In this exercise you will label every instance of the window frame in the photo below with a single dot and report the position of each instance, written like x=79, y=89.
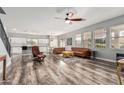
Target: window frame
x=63, y=42
x=76, y=44
x=110, y=46
x=87, y=39
x=94, y=39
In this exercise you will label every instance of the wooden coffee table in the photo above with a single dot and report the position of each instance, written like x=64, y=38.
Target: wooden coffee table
x=68, y=53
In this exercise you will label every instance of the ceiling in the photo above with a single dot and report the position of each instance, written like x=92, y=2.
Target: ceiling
x=41, y=21
x=118, y=27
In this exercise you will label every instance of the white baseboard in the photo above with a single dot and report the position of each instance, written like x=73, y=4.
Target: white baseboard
x=106, y=59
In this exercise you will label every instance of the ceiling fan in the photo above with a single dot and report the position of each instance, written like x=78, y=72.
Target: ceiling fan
x=69, y=19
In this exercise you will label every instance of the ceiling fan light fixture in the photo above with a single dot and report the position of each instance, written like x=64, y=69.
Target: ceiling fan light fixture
x=70, y=14
x=68, y=21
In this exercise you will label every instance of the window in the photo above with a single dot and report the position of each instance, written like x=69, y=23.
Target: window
x=16, y=50
x=54, y=42
x=32, y=41
x=100, y=38
x=117, y=36
x=18, y=41
x=87, y=40
x=44, y=49
x=43, y=41
x=62, y=42
x=78, y=40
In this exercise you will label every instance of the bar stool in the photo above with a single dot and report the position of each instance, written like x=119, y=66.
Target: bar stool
x=120, y=65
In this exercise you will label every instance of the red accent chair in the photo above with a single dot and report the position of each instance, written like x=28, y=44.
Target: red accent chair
x=38, y=56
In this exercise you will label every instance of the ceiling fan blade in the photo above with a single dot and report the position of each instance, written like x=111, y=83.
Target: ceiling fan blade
x=59, y=18
x=77, y=19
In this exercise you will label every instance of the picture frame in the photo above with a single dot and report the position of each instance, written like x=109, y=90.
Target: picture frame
x=69, y=41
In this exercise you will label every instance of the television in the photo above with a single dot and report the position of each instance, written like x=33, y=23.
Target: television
x=24, y=47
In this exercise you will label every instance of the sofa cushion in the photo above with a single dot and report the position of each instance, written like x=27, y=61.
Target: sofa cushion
x=80, y=49
x=68, y=48
x=58, y=50
x=77, y=52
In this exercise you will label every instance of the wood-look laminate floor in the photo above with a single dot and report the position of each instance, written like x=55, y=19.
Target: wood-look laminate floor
x=56, y=70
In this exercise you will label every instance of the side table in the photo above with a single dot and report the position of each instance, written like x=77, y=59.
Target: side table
x=93, y=55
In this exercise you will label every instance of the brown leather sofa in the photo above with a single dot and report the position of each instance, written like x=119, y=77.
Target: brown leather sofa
x=80, y=52
x=58, y=50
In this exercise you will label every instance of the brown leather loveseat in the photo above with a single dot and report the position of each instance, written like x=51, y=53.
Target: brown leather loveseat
x=81, y=52
x=58, y=50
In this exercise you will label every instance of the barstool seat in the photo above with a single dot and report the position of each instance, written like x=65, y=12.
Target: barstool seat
x=121, y=61
x=120, y=65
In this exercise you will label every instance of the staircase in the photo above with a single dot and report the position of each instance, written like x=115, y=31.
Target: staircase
x=5, y=39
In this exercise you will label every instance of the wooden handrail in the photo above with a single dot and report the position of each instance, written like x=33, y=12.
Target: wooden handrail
x=3, y=59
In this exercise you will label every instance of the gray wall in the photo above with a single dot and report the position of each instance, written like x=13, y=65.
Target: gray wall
x=27, y=35
x=107, y=53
